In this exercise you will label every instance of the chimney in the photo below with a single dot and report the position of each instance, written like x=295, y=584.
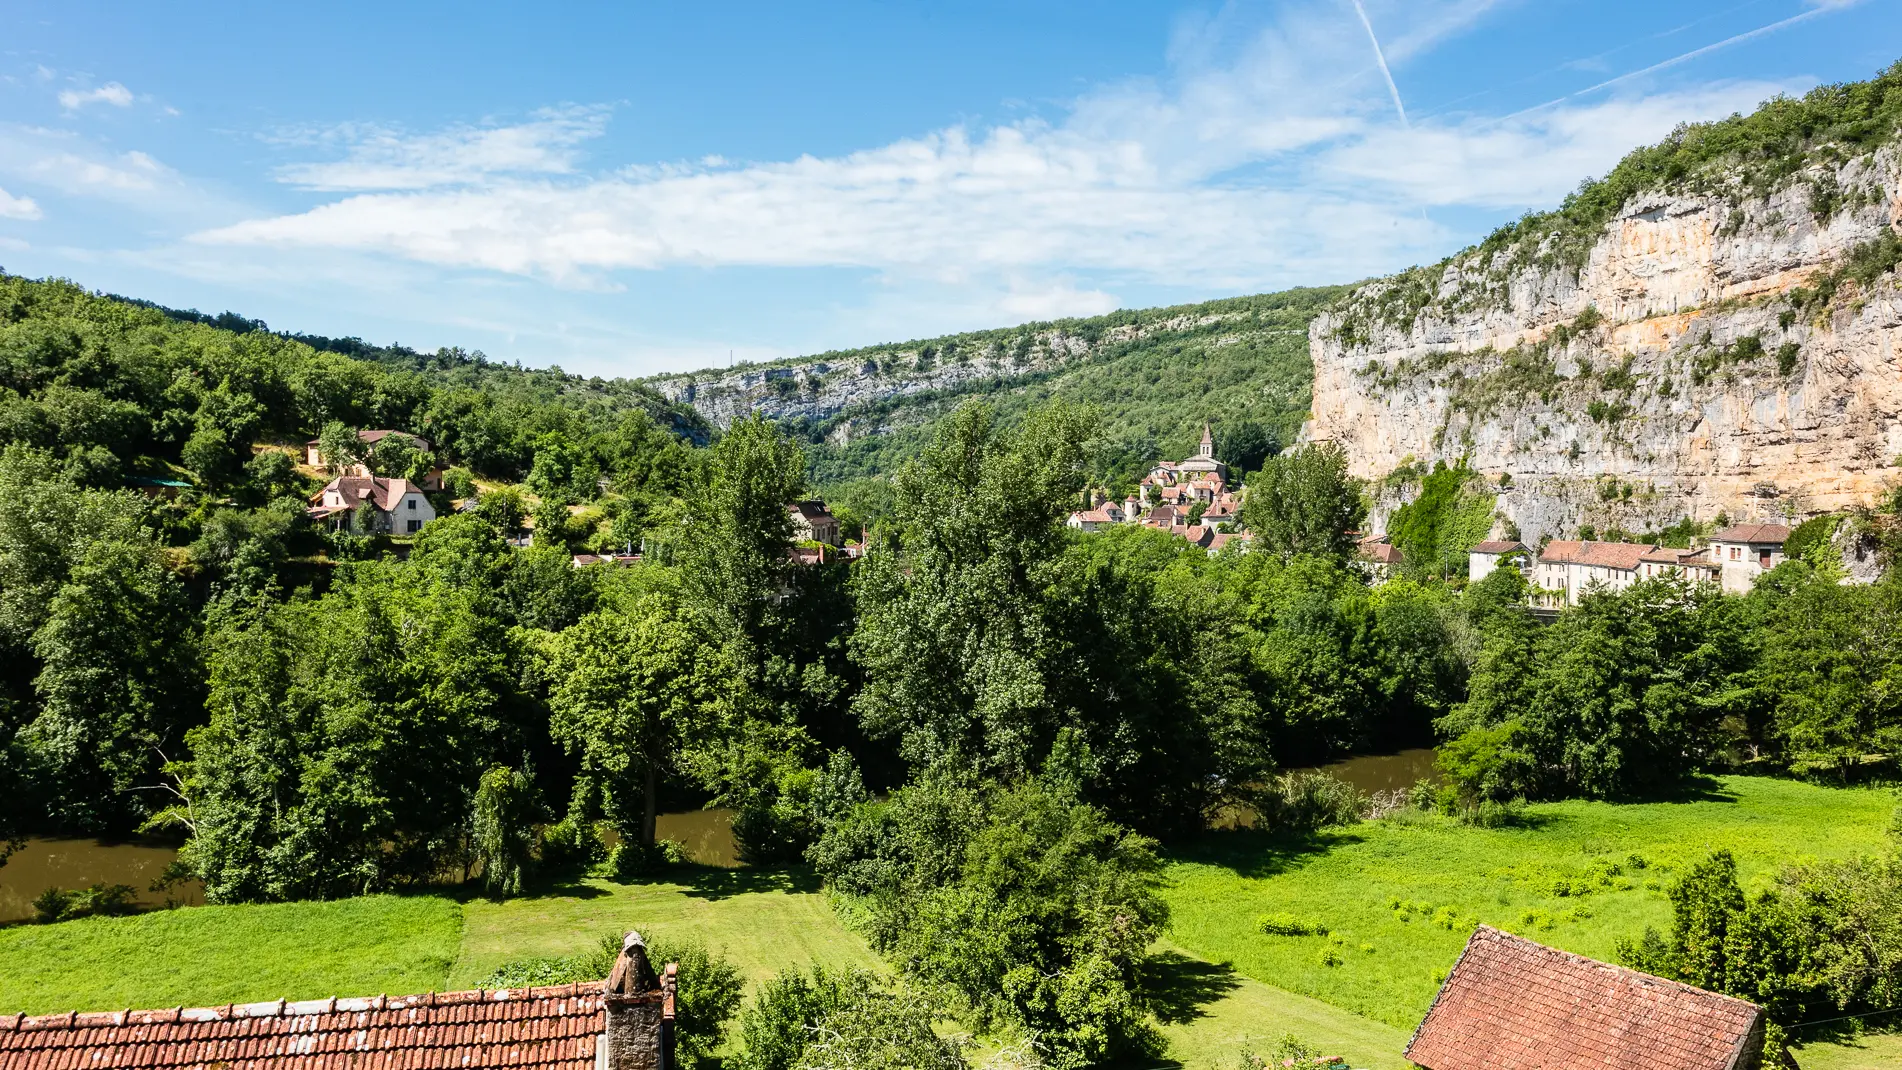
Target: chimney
x=640, y=1009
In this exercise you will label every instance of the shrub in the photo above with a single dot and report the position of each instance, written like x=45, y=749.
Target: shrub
x=1285, y=924
x=572, y=844
x=879, y=1031
x=781, y=1020
x=1306, y=801
x=54, y=905
x=631, y=861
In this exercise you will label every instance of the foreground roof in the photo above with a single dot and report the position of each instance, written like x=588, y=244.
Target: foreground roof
x=1512, y=1004
x=554, y=1027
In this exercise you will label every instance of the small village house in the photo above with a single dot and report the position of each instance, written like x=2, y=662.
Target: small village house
x=1512, y=1004
x=313, y=455
x=1566, y=567
x=624, y=1023
x=1695, y=566
x=813, y=522
x=1745, y=551
x=1377, y=557
x=1484, y=557
x=1091, y=520
x=399, y=506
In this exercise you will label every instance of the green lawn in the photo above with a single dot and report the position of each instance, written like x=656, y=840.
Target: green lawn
x=765, y=921
x=1390, y=961
x=200, y=956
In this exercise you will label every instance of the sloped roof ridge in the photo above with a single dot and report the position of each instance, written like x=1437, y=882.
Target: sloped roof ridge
x=281, y=1008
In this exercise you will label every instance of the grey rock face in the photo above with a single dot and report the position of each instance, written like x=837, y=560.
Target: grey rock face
x=1707, y=385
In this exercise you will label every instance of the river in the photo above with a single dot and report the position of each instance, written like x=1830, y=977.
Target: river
x=68, y=864
x=707, y=834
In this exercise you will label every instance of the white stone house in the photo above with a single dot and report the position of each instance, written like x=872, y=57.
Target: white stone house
x=400, y=506
x=1484, y=557
x=813, y=522
x=1566, y=568
x=1745, y=551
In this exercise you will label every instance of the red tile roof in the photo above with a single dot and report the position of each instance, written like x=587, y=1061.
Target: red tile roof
x=1513, y=1003
x=1496, y=546
x=1383, y=553
x=1774, y=533
x=554, y=1027
x=384, y=492
x=1619, y=555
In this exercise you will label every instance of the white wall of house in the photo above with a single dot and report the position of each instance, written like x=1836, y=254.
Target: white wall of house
x=1741, y=563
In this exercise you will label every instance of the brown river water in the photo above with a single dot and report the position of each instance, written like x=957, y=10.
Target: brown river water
x=69, y=864
x=707, y=834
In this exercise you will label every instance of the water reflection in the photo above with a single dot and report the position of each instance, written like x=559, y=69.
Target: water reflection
x=70, y=864
x=1385, y=772
x=1368, y=773
x=708, y=835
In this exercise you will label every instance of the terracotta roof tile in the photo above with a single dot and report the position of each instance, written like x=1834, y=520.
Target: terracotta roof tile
x=1776, y=533
x=1513, y=1003
x=1619, y=555
x=553, y=1028
x=1499, y=546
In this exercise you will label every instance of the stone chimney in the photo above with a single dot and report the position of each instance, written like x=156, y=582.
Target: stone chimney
x=640, y=1008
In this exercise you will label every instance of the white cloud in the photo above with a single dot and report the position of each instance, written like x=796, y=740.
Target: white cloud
x=111, y=93
x=382, y=158
x=1281, y=163
x=12, y=207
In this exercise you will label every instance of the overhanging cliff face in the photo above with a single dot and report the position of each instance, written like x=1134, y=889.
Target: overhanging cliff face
x=1710, y=354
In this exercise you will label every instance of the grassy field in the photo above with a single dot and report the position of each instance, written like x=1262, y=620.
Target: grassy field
x=1227, y=986
x=765, y=921
x=201, y=956
x=1386, y=961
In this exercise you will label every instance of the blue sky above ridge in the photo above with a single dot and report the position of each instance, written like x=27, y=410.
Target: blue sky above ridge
x=630, y=190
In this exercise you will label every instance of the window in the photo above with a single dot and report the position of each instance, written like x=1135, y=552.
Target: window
x=1763, y=559
x=413, y=525
x=1736, y=553
x=412, y=504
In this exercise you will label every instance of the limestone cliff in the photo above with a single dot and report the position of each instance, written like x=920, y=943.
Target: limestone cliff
x=828, y=388
x=1718, y=347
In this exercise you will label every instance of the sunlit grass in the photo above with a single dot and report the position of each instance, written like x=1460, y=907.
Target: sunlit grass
x=1448, y=877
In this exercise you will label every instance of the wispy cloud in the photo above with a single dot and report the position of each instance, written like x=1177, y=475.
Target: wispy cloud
x=1282, y=163
x=111, y=93
x=384, y=158
x=12, y=207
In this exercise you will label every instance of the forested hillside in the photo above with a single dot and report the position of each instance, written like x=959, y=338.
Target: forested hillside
x=1154, y=374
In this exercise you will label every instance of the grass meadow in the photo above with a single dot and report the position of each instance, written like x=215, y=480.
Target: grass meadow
x=1397, y=896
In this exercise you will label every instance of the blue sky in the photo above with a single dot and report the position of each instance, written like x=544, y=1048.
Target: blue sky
x=637, y=188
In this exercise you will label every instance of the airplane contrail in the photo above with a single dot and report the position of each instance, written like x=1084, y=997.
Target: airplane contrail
x=1692, y=54
x=1381, y=58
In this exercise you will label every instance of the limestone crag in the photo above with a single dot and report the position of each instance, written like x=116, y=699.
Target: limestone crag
x=1712, y=353
x=822, y=388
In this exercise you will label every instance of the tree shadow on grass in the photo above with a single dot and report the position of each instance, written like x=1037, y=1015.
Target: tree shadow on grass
x=1179, y=987
x=1695, y=788
x=714, y=882
x=1255, y=853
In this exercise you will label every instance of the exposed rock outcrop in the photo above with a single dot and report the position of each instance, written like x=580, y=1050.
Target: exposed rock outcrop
x=1713, y=353
x=821, y=388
